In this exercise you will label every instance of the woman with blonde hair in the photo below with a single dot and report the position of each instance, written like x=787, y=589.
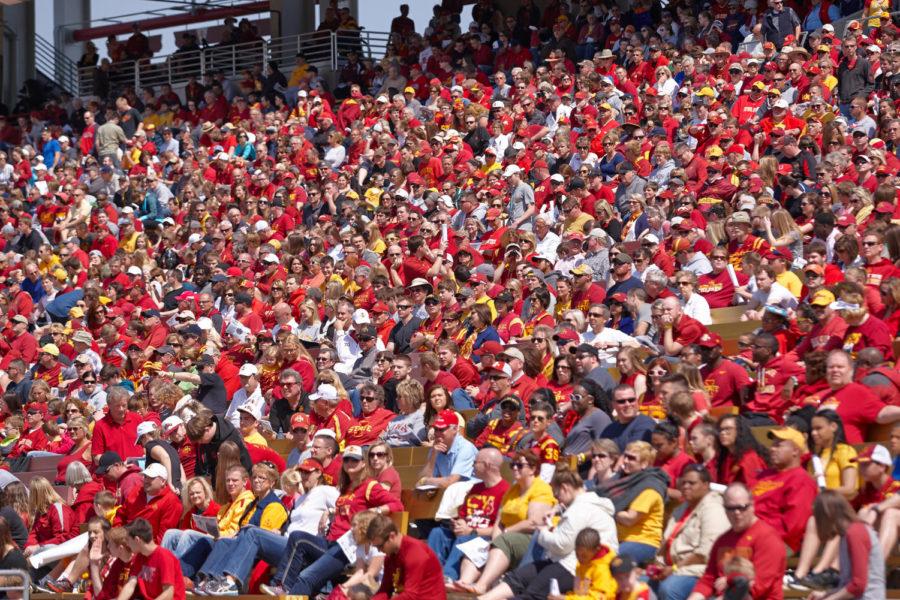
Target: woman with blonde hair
x=632, y=370
x=408, y=427
x=768, y=169
x=542, y=338
x=663, y=165
x=309, y=324
x=53, y=522
x=197, y=499
x=637, y=221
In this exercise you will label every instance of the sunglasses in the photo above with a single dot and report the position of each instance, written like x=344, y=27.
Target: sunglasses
x=518, y=465
x=377, y=455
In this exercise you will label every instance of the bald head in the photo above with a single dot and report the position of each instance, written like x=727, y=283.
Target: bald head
x=869, y=357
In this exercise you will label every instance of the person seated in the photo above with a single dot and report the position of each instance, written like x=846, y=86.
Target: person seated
x=53, y=522
x=689, y=535
x=740, y=457
x=783, y=495
x=452, y=456
x=408, y=428
x=369, y=561
x=878, y=501
x=192, y=547
x=749, y=537
x=525, y=504
x=503, y=433
x=593, y=579
x=629, y=424
x=305, y=562
x=155, y=502
x=110, y=557
x=639, y=496
x=559, y=542
x=669, y=457
x=373, y=420
x=835, y=463
x=540, y=440
x=476, y=514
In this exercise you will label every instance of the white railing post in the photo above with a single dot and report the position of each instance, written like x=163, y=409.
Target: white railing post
x=334, y=50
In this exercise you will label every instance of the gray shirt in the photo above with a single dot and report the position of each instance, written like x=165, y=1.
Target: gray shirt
x=406, y=430
x=585, y=431
x=599, y=262
x=521, y=199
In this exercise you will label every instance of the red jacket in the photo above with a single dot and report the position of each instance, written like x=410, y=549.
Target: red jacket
x=784, y=500
x=55, y=526
x=162, y=511
x=83, y=506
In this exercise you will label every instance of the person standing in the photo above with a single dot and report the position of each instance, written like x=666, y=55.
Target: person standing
x=411, y=569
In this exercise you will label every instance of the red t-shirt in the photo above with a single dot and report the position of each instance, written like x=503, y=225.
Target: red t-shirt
x=871, y=333
x=156, y=571
x=482, y=503
x=718, y=290
x=109, y=435
x=723, y=382
x=746, y=470
x=784, y=500
x=869, y=494
x=858, y=408
x=761, y=545
x=368, y=427
x=582, y=300
x=770, y=381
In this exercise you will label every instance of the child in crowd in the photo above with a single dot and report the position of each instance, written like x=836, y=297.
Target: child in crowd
x=593, y=580
x=626, y=574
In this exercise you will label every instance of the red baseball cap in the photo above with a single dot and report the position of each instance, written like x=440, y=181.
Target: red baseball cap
x=490, y=347
x=299, y=420
x=567, y=335
x=710, y=340
x=380, y=307
x=311, y=464
x=445, y=419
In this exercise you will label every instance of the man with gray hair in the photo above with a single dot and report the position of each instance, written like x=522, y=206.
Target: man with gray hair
x=546, y=241
x=597, y=254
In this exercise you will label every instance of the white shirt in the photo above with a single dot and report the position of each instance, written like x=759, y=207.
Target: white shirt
x=548, y=245
x=309, y=508
x=778, y=296
x=239, y=399
x=698, y=308
x=607, y=336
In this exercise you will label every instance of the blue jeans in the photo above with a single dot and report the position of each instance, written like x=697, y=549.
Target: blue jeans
x=310, y=563
x=446, y=546
x=251, y=544
x=639, y=553
x=190, y=547
x=674, y=587
x=212, y=567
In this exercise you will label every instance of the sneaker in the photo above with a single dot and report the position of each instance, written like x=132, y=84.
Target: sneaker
x=59, y=586
x=41, y=586
x=200, y=587
x=831, y=578
x=223, y=587
x=272, y=590
x=814, y=581
x=792, y=582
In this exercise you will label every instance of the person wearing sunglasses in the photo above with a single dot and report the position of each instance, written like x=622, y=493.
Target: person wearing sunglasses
x=373, y=418
x=503, y=432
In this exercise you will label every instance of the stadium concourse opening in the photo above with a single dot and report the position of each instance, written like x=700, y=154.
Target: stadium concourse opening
x=553, y=300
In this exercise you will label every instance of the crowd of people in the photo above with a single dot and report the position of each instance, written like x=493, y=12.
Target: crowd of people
x=522, y=246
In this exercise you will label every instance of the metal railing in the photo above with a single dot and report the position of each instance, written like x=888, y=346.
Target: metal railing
x=8, y=579
x=324, y=49
x=56, y=65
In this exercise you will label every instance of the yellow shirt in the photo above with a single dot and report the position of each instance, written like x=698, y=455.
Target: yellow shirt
x=593, y=581
x=789, y=280
x=298, y=75
x=257, y=439
x=576, y=225
x=230, y=514
x=129, y=244
x=490, y=304
x=649, y=527
x=514, y=506
x=487, y=169
x=49, y=265
x=835, y=463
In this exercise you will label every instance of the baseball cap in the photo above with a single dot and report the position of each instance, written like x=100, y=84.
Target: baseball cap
x=875, y=453
x=325, y=392
x=566, y=335
x=310, y=464
x=790, y=434
x=585, y=349
x=353, y=452
x=621, y=565
x=156, y=470
x=299, y=420
x=248, y=369
x=50, y=349
x=143, y=429
x=446, y=418
x=502, y=368
x=171, y=423
x=513, y=353
x=710, y=340
x=490, y=347
x=582, y=269
x=822, y=298
x=107, y=459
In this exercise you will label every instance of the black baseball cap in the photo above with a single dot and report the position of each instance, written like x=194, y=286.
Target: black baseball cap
x=107, y=459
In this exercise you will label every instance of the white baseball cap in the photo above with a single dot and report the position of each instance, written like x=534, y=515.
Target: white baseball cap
x=512, y=170
x=325, y=392
x=156, y=470
x=194, y=238
x=248, y=369
x=169, y=424
x=143, y=429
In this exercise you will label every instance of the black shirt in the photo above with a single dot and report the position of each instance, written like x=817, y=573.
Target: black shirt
x=212, y=394
x=402, y=333
x=281, y=413
x=174, y=459
x=17, y=528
